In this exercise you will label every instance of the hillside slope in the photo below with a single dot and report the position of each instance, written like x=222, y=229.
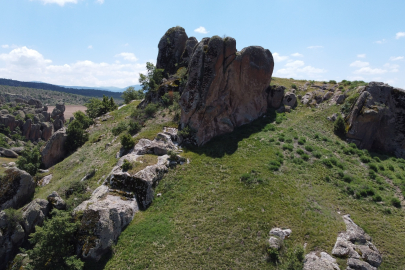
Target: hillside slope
x=217, y=211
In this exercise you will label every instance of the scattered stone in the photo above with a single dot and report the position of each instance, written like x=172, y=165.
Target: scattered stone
x=282, y=234
x=56, y=201
x=275, y=242
x=45, y=180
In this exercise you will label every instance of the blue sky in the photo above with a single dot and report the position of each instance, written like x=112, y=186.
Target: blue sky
x=107, y=42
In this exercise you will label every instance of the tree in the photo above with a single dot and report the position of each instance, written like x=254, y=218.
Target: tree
x=131, y=94
x=54, y=244
x=29, y=159
x=339, y=127
x=76, y=136
x=96, y=107
x=127, y=141
x=152, y=80
x=83, y=119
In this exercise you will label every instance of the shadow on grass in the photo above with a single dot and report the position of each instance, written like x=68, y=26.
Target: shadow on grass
x=228, y=143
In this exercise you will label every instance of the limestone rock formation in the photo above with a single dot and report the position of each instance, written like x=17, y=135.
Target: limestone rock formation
x=16, y=189
x=225, y=88
x=275, y=96
x=54, y=151
x=356, y=245
x=277, y=237
x=35, y=102
x=171, y=47
x=58, y=116
x=102, y=220
x=377, y=120
x=11, y=238
x=34, y=214
x=290, y=99
x=324, y=262
x=47, y=130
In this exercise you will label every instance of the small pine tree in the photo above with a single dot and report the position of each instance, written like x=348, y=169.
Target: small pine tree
x=339, y=126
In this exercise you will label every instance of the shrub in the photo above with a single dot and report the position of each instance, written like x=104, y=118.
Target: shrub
x=76, y=136
x=297, y=161
x=295, y=259
x=333, y=160
x=396, y=202
x=185, y=132
x=134, y=127
x=305, y=157
x=289, y=140
x=293, y=86
x=327, y=163
x=281, y=138
x=316, y=136
x=391, y=168
x=131, y=94
x=151, y=109
x=317, y=155
x=30, y=159
x=269, y=127
x=381, y=167
x=372, y=174
x=151, y=81
x=60, y=254
x=300, y=151
x=273, y=255
x=96, y=107
x=365, y=159
x=250, y=179
x=83, y=119
x=377, y=159
x=377, y=198
x=14, y=217
x=332, y=82
x=127, y=141
x=126, y=165
x=288, y=147
x=373, y=167
x=327, y=179
x=347, y=178
x=339, y=127
x=274, y=165
x=302, y=141
x=121, y=127
x=341, y=174
x=309, y=148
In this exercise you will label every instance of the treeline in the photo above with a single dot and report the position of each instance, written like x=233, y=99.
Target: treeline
x=51, y=87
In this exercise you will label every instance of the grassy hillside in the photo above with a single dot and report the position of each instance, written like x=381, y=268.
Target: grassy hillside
x=284, y=170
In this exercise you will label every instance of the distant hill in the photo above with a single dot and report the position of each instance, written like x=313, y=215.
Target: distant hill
x=110, y=88
x=51, y=87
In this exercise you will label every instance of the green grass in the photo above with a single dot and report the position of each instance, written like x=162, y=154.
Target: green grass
x=5, y=160
x=217, y=211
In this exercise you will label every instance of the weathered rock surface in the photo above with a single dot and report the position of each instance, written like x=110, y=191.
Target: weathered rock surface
x=35, y=102
x=56, y=201
x=54, y=150
x=280, y=233
x=8, y=153
x=225, y=88
x=103, y=218
x=188, y=50
x=34, y=214
x=356, y=245
x=16, y=189
x=45, y=180
x=324, y=262
x=47, y=130
x=377, y=120
x=290, y=99
x=171, y=47
x=11, y=238
x=275, y=96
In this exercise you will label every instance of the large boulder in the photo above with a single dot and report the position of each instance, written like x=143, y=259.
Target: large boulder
x=377, y=119
x=225, y=88
x=35, y=102
x=9, y=121
x=102, y=219
x=323, y=262
x=16, y=189
x=56, y=201
x=275, y=96
x=171, y=47
x=8, y=153
x=34, y=214
x=54, y=150
x=58, y=116
x=290, y=99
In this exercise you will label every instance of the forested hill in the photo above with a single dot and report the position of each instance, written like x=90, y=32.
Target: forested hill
x=51, y=87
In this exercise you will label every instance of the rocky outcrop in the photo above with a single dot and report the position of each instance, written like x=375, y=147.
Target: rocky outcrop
x=47, y=130
x=34, y=214
x=225, y=88
x=56, y=201
x=102, y=219
x=16, y=189
x=171, y=47
x=323, y=262
x=8, y=153
x=356, y=245
x=9, y=121
x=290, y=99
x=377, y=119
x=277, y=237
x=35, y=102
x=188, y=50
x=11, y=238
x=54, y=151
x=275, y=96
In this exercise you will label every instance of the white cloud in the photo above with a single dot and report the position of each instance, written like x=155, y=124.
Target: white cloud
x=278, y=58
x=361, y=55
x=359, y=64
x=90, y=47
x=391, y=67
x=201, y=30
x=315, y=47
x=126, y=44
x=100, y=1
x=399, y=35
x=380, y=41
x=59, y=2
x=393, y=58
x=370, y=71
x=297, y=55
x=5, y=46
x=297, y=69
x=29, y=65
x=127, y=56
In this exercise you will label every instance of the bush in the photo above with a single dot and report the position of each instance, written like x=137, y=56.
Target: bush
x=295, y=259
x=381, y=167
x=127, y=141
x=134, y=127
x=365, y=159
x=151, y=109
x=372, y=174
x=305, y=157
x=332, y=82
x=333, y=160
x=341, y=174
x=316, y=136
x=377, y=159
x=131, y=94
x=250, y=179
x=317, y=155
x=49, y=253
x=281, y=138
x=309, y=148
x=151, y=81
x=83, y=119
x=76, y=136
x=391, y=168
x=327, y=163
x=300, y=151
x=121, y=127
x=96, y=107
x=339, y=127
x=373, y=167
x=293, y=86
x=377, y=198
x=289, y=140
x=288, y=147
x=302, y=141
x=274, y=165
x=396, y=202
x=126, y=165
x=347, y=178
x=269, y=127
x=14, y=217
x=30, y=159
x=327, y=179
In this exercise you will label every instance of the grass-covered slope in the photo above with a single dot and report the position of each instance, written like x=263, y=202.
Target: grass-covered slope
x=286, y=171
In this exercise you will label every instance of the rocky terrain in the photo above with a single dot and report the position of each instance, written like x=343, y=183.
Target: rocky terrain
x=254, y=178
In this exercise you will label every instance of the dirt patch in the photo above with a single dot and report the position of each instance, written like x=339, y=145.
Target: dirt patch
x=70, y=109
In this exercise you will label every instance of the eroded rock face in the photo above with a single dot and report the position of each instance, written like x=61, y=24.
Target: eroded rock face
x=225, y=88
x=34, y=214
x=102, y=220
x=16, y=189
x=356, y=245
x=377, y=120
x=54, y=150
x=171, y=47
x=188, y=50
x=275, y=96
x=11, y=238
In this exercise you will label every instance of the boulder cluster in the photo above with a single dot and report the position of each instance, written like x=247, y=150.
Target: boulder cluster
x=377, y=119
x=322, y=93
x=15, y=192
x=114, y=204
x=31, y=120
